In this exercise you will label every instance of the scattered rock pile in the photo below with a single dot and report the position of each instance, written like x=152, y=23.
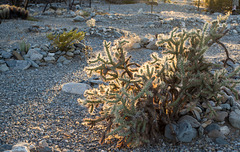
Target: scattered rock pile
x=213, y=126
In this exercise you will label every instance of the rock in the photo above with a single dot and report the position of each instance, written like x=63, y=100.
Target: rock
x=152, y=45
x=2, y=61
x=225, y=106
x=194, y=123
x=49, y=59
x=183, y=130
x=66, y=62
x=61, y=59
x=21, y=147
x=44, y=149
x=234, y=118
x=220, y=141
x=11, y=63
x=6, y=55
x=43, y=143
x=59, y=12
x=75, y=88
x=71, y=54
x=220, y=116
x=33, y=64
x=211, y=127
x=224, y=130
x=17, y=55
x=78, y=19
x=77, y=52
x=215, y=134
x=45, y=47
x=22, y=65
x=51, y=54
x=5, y=147
x=79, y=45
x=34, y=55
x=136, y=46
x=235, y=32
x=3, y=67
x=144, y=41
x=140, y=11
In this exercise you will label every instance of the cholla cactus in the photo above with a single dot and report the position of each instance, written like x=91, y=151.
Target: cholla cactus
x=141, y=100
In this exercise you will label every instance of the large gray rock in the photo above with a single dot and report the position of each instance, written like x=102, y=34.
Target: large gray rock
x=78, y=19
x=3, y=67
x=194, y=123
x=184, y=132
x=75, y=88
x=34, y=54
x=234, y=118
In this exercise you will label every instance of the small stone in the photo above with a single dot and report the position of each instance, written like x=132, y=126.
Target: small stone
x=61, y=59
x=220, y=116
x=136, y=46
x=2, y=61
x=72, y=13
x=51, y=54
x=215, y=134
x=75, y=88
x=77, y=52
x=225, y=130
x=66, y=62
x=78, y=19
x=144, y=41
x=4, y=67
x=221, y=141
x=17, y=55
x=43, y=143
x=70, y=54
x=235, y=32
x=225, y=106
x=6, y=55
x=5, y=147
x=152, y=45
x=33, y=64
x=49, y=59
x=140, y=11
x=45, y=48
x=234, y=118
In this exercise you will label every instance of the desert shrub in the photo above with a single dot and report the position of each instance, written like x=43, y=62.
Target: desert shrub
x=139, y=101
x=218, y=5
x=65, y=41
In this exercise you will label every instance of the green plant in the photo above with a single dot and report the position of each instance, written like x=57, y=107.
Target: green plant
x=141, y=100
x=24, y=47
x=65, y=41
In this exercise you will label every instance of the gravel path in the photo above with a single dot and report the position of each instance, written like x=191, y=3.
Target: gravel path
x=33, y=107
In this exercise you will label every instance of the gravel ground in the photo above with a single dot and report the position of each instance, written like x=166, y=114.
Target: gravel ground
x=33, y=107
